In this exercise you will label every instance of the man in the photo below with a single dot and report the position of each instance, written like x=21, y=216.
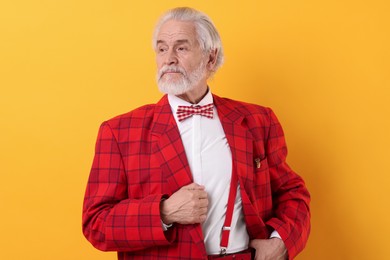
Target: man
x=163, y=174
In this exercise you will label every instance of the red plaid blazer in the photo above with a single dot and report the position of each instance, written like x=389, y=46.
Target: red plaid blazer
x=140, y=159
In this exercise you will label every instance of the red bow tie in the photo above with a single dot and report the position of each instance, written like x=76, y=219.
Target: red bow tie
x=184, y=112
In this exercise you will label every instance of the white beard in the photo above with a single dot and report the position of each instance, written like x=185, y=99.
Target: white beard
x=185, y=83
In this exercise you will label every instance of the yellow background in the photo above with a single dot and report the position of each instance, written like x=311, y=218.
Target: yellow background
x=323, y=66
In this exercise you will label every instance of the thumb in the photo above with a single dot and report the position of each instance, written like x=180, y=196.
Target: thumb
x=252, y=243
x=255, y=242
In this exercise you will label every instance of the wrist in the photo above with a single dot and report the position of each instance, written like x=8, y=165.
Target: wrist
x=164, y=213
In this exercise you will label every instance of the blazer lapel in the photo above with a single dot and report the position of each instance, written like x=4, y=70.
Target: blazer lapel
x=169, y=150
x=168, y=147
x=239, y=138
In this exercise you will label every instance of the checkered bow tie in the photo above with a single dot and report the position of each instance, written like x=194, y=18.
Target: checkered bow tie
x=184, y=112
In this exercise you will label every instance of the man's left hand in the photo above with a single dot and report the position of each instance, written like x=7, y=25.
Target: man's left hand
x=269, y=249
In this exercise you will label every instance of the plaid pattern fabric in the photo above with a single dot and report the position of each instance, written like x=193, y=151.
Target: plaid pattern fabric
x=184, y=112
x=140, y=159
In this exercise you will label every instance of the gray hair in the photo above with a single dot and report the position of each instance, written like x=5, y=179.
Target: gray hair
x=208, y=36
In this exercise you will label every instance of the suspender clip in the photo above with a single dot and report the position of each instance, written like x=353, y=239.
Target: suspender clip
x=223, y=251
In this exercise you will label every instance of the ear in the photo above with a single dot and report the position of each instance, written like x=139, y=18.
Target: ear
x=212, y=59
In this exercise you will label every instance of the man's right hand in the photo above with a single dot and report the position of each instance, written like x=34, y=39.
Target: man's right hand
x=186, y=206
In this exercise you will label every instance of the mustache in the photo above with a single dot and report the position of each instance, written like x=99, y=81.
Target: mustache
x=167, y=68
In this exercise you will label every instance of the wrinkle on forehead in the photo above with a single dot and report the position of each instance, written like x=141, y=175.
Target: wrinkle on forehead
x=173, y=31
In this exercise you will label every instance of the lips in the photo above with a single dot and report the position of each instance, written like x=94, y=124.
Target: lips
x=170, y=73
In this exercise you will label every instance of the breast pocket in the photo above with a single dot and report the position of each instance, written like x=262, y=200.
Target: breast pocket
x=260, y=164
x=262, y=185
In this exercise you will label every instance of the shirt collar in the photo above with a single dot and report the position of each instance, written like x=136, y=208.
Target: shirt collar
x=175, y=101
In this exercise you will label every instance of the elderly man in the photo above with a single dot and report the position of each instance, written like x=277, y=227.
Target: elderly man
x=195, y=176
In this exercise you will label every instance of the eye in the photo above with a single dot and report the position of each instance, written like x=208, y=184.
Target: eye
x=161, y=49
x=181, y=48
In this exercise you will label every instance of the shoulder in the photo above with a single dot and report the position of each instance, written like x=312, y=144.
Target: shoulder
x=248, y=110
x=139, y=117
x=258, y=119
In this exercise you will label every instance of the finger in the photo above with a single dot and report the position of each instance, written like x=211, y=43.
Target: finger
x=203, y=203
x=193, y=186
x=200, y=194
x=253, y=243
x=202, y=218
x=190, y=186
x=202, y=211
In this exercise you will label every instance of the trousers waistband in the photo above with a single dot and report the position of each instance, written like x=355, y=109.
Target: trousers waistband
x=246, y=254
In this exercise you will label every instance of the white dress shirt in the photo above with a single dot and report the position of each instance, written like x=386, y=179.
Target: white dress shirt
x=210, y=161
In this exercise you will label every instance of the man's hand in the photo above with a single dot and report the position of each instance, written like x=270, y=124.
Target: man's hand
x=269, y=249
x=186, y=206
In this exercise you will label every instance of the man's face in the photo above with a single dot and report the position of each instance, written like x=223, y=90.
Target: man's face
x=181, y=62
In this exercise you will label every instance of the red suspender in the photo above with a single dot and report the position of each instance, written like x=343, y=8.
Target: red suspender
x=229, y=213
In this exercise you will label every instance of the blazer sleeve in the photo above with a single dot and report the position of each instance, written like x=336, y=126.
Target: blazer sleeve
x=291, y=198
x=111, y=220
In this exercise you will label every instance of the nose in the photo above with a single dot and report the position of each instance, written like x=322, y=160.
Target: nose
x=171, y=58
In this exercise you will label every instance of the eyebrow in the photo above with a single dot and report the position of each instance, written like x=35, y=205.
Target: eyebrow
x=176, y=42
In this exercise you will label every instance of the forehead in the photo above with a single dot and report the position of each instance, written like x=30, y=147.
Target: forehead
x=172, y=31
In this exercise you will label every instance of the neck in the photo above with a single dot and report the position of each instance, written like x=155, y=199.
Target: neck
x=196, y=95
